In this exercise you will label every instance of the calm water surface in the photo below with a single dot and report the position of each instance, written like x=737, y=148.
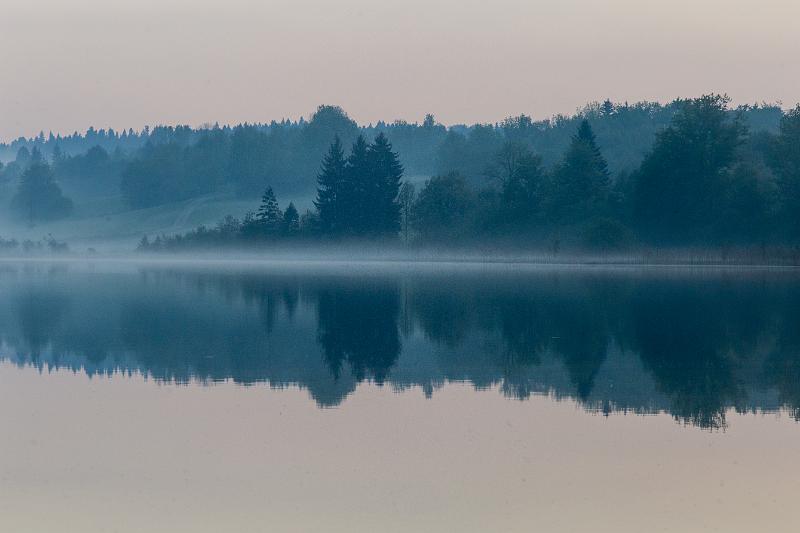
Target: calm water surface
x=369, y=397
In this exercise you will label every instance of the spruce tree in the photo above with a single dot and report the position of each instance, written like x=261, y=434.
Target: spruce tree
x=581, y=181
x=291, y=220
x=356, y=206
x=586, y=135
x=57, y=157
x=269, y=214
x=330, y=189
x=386, y=174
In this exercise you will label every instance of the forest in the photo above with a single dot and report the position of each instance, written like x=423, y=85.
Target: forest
x=694, y=172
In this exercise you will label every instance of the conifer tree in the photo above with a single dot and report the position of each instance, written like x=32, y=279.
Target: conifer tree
x=386, y=174
x=291, y=219
x=581, y=181
x=586, y=135
x=330, y=189
x=57, y=157
x=357, y=213
x=269, y=214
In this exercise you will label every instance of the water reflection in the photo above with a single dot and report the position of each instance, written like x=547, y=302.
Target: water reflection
x=694, y=345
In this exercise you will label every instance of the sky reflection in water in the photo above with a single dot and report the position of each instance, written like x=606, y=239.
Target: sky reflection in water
x=444, y=385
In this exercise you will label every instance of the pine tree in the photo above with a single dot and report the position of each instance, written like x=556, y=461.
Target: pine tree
x=356, y=208
x=57, y=157
x=586, y=135
x=36, y=156
x=291, y=219
x=386, y=174
x=581, y=181
x=269, y=214
x=330, y=188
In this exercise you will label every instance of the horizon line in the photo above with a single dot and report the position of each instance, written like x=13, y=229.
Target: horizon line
x=207, y=125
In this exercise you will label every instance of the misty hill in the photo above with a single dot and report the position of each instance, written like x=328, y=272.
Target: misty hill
x=169, y=179
x=287, y=153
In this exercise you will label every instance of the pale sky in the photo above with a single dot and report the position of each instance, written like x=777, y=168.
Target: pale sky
x=68, y=65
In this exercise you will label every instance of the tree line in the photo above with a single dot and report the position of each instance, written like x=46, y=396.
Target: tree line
x=710, y=174
x=357, y=197
x=166, y=164
x=708, y=179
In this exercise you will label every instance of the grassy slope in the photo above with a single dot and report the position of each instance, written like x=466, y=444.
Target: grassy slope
x=103, y=223
x=101, y=219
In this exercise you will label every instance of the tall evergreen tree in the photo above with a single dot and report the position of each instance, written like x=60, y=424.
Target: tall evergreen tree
x=582, y=181
x=331, y=188
x=384, y=187
x=57, y=157
x=269, y=215
x=36, y=156
x=355, y=207
x=291, y=220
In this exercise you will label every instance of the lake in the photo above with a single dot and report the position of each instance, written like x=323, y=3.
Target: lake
x=245, y=396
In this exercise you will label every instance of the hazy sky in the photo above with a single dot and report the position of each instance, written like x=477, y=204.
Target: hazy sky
x=127, y=63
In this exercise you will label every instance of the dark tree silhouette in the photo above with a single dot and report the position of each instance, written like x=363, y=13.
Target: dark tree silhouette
x=38, y=196
x=386, y=172
x=680, y=183
x=269, y=215
x=331, y=187
x=444, y=207
x=359, y=325
x=521, y=178
x=581, y=181
x=785, y=160
x=355, y=210
x=291, y=220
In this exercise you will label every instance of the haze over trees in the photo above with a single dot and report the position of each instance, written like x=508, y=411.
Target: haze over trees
x=286, y=154
x=692, y=172
x=38, y=196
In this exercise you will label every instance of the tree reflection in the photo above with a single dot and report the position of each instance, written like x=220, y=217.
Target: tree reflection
x=358, y=325
x=692, y=346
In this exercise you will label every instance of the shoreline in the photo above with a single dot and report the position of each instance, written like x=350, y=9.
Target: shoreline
x=392, y=258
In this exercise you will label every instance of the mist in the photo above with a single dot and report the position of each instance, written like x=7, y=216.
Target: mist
x=613, y=182
x=431, y=265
